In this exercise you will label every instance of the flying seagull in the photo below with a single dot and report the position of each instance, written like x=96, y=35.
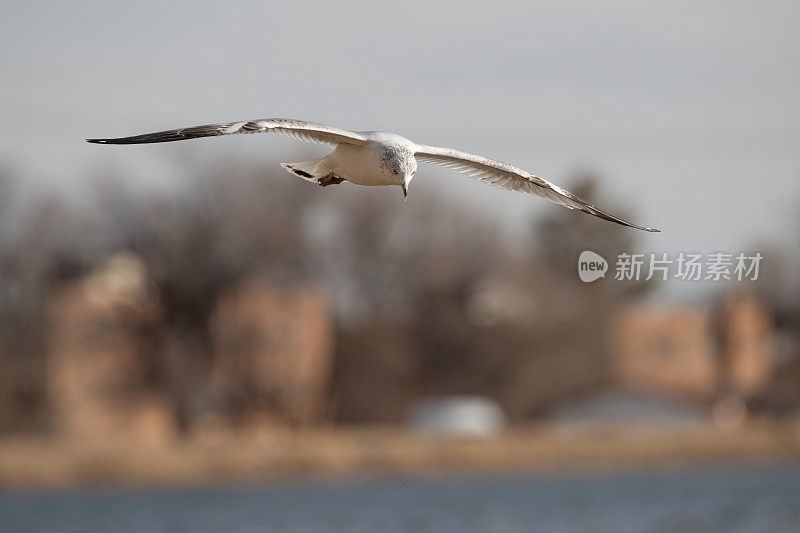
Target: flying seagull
x=377, y=158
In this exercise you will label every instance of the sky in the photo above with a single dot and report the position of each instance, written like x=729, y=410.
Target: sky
x=688, y=111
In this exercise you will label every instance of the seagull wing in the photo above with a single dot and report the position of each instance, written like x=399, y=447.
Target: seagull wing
x=305, y=131
x=512, y=178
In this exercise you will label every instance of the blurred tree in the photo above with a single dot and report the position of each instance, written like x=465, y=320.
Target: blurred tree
x=416, y=265
x=227, y=224
x=567, y=348
x=431, y=298
x=480, y=316
x=35, y=239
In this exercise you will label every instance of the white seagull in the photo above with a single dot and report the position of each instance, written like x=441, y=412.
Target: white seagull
x=378, y=158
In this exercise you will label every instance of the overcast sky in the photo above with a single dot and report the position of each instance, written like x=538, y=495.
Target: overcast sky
x=688, y=110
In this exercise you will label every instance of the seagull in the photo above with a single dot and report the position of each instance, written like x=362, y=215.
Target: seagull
x=378, y=158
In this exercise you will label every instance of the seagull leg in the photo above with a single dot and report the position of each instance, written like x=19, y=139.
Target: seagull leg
x=329, y=179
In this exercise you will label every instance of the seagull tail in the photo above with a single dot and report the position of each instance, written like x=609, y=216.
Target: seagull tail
x=312, y=171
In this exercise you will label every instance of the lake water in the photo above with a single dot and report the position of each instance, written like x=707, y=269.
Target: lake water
x=712, y=499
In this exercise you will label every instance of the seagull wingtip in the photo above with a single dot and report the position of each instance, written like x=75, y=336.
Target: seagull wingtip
x=96, y=141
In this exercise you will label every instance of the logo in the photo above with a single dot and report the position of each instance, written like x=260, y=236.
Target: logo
x=684, y=266
x=591, y=266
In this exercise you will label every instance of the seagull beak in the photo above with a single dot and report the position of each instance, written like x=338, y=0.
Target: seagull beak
x=405, y=192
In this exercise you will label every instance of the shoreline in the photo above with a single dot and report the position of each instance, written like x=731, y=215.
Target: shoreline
x=39, y=463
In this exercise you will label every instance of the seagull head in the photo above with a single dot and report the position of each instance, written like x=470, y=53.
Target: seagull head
x=398, y=165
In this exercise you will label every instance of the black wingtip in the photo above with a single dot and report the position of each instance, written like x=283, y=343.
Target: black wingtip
x=97, y=141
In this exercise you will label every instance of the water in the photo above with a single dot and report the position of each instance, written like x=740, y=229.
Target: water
x=712, y=499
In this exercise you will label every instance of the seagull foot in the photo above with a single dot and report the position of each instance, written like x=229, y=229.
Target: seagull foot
x=329, y=179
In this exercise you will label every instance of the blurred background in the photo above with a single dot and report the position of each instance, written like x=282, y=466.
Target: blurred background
x=192, y=338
